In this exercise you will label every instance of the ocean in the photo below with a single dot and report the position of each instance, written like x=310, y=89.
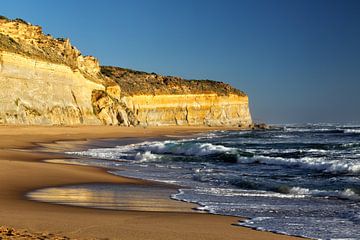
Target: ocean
x=301, y=180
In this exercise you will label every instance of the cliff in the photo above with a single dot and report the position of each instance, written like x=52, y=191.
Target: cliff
x=44, y=80
x=165, y=100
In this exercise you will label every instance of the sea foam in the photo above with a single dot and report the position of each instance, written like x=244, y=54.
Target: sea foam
x=301, y=180
x=185, y=148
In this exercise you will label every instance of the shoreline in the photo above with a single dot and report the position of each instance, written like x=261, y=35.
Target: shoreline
x=75, y=222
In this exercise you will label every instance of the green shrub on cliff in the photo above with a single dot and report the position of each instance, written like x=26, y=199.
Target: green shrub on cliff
x=137, y=82
x=21, y=21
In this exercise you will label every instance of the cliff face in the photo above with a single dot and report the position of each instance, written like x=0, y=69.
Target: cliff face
x=159, y=100
x=28, y=40
x=47, y=81
x=190, y=109
x=44, y=80
x=38, y=92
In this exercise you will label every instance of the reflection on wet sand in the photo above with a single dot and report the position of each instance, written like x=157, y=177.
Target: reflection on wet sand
x=112, y=196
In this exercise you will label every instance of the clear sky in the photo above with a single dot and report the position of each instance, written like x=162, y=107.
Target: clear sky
x=298, y=60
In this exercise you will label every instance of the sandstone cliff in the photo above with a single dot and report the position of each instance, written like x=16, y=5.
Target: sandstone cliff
x=44, y=80
x=163, y=100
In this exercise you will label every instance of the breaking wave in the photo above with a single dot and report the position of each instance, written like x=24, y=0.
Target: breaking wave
x=310, y=163
x=352, y=131
x=187, y=148
x=297, y=179
x=152, y=151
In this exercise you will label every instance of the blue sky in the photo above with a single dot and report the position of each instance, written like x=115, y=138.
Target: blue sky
x=298, y=60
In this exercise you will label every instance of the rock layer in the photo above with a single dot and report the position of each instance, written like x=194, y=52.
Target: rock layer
x=38, y=92
x=44, y=80
x=190, y=109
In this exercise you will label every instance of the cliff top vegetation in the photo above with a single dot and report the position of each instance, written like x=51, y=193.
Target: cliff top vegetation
x=134, y=82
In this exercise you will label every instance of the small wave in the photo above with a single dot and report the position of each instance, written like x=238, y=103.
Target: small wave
x=323, y=130
x=285, y=191
x=251, y=221
x=306, y=130
x=185, y=148
x=225, y=192
x=146, y=156
x=345, y=194
x=350, y=145
x=292, y=193
x=311, y=163
x=283, y=136
x=352, y=131
x=204, y=208
x=350, y=194
x=316, y=150
x=116, y=153
x=102, y=153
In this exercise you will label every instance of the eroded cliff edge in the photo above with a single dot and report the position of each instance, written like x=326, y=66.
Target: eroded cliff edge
x=44, y=80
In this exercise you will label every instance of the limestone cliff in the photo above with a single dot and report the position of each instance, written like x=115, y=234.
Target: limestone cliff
x=163, y=100
x=44, y=80
x=38, y=92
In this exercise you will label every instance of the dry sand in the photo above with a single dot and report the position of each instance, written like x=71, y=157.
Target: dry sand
x=22, y=170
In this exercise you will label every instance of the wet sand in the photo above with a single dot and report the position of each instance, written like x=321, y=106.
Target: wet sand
x=22, y=169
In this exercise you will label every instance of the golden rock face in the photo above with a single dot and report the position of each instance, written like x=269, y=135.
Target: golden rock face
x=190, y=109
x=47, y=81
x=36, y=92
x=29, y=40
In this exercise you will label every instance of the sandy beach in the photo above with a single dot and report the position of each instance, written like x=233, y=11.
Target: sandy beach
x=22, y=169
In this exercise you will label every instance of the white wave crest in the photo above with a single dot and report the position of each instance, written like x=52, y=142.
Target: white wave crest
x=352, y=131
x=345, y=194
x=294, y=193
x=146, y=156
x=350, y=194
x=224, y=192
x=311, y=163
x=102, y=153
x=299, y=191
x=185, y=148
x=147, y=151
x=302, y=129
